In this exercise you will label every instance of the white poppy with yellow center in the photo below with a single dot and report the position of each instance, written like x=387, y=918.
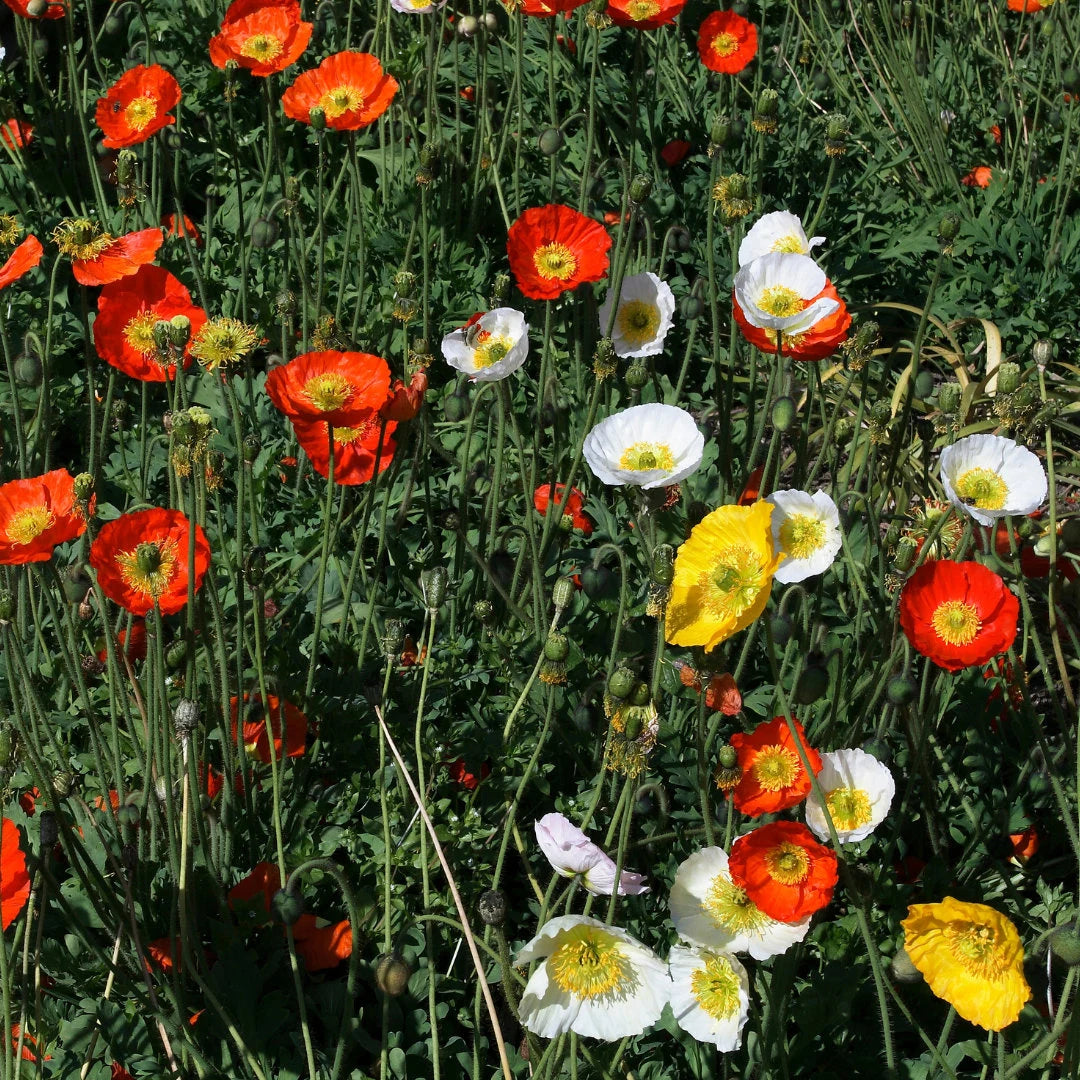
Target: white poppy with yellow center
x=649, y=446
x=491, y=347
x=595, y=980
x=989, y=476
x=417, y=7
x=710, y=995
x=777, y=292
x=779, y=231
x=806, y=528
x=643, y=317
x=858, y=792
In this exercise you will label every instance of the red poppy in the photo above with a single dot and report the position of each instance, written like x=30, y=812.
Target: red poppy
x=1032, y=564
x=161, y=951
x=722, y=695
x=137, y=105
x=14, y=879
x=573, y=509
x=409, y=655
x=553, y=249
x=773, y=777
x=644, y=14
x=403, y=402
x=23, y=259
x=27, y=800
x=1023, y=844
x=256, y=738
x=55, y=10
x=37, y=514
x=16, y=133
x=567, y=43
x=1027, y=5
x=142, y=558
x=355, y=449
x=98, y=258
x=978, y=177
x=345, y=389
x=727, y=42
x=673, y=152
x=129, y=309
x=351, y=88
x=119, y=1072
x=995, y=133
x=254, y=893
x=111, y=803
x=784, y=870
x=136, y=648
x=909, y=869
x=185, y=227
x=29, y=1044
x=958, y=614
x=263, y=36
x=460, y=774
x=752, y=490
x=819, y=342
x=545, y=8
x=322, y=945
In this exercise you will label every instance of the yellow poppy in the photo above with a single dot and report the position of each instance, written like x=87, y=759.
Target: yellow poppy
x=971, y=957
x=723, y=573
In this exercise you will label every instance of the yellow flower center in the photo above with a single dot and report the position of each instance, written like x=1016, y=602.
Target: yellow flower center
x=10, y=230
x=140, y=112
x=643, y=456
x=80, y=239
x=638, y=322
x=731, y=909
x=736, y=581
x=328, y=391
x=975, y=947
x=490, y=349
x=787, y=863
x=790, y=245
x=341, y=99
x=725, y=44
x=223, y=341
x=344, y=436
x=555, y=261
x=955, y=622
x=849, y=808
x=982, y=488
x=801, y=535
x=589, y=963
x=639, y=10
x=139, y=332
x=150, y=567
x=261, y=47
x=715, y=987
x=780, y=301
x=776, y=767
x=27, y=525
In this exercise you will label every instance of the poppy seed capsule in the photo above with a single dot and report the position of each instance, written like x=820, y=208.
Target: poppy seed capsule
x=1065, y=944
x=663, y=564
x=784, y=414
x=621, y=683
x=1008, y=378
x=176, y=655
x=433, y=587
x=949, y=398
x=637, y=375
x=906, y=550
x=639, y=695
x=186, y=717
x=286, y=906
x=557, y=647
x=483, y=611
x=492, y=907
x=948, y=228
x=179, y=331
x=393, y=637
x=550, y=141
x=392, y=974
x=563, y=593
x=728, y=757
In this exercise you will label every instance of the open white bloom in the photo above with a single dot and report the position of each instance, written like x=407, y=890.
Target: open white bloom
x=858, y=791
x=647, y=445
x=417, y=7
x=710, y=995
x=806, y=528
x=492, y=347
x=990, y=476
x=776, y=292
x=571, y=854
x=779, y=231
x=709, y=909
x=595, y=980
x=644, y=316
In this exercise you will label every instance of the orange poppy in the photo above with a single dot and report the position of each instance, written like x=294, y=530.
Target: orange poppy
x=322, y=946
x=958, y=614
x=16, y=133
x=141, y=560
x=14, y=879
x=351, y=88
x=98, y=258
x=185, y=227
x=256, y=738
x=460, y=773
x=37, y=514
x=773, y=777
x=819, y=342
x=727, y=42
x=129, y=309
x=29, y=1044
x=119, y=1072
x=644, y=14
x=345, y=389
x=161, y=950
x=1023, y=845
x=784, y=870
x=553, y=249
x=263, y=36
x=978, y=177
x=722, y=695
x=404, y=402
x=355, y=449
x=1028, y=5
x=55, y=10
x=546, y=8
x=137, y=105
x=135, y=648
x=573, y=509
x=254, y=893
x=23, y=259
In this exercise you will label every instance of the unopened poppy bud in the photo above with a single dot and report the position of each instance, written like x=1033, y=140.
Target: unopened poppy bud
x=640, y=188
x=286, y=906
x=901, y=690
x=551, y=141
x=906, y=550
x=663, y=564
x=949, y=398
x=1008, y=377
x=562, y=594
x=112, y=25
x=1070, y=79
x=784, y=414
x=1042, y=352
x=179, y=331
x=492, y=907
x=317, y=118
x=637, y=375
x=692, y=307
x=621, y=683
x=782, y=629
x=557, y=646
x=948, y=228
x=765, y=112
x=469, y=26
x=903, y=970
x=483, y=611
x=161, y=333
x=392, y=973
x=28, y=370
x=1070, y=534
x=878, y=748
x=433, y=587
x=36, y=8
x=1065, y=944
x=48, y=832
x=264, y=231
x=812, y=684
x=604, y=365
x=185, y=717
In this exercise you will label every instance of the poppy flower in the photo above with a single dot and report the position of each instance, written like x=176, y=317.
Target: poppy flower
x=256, y=737
x=345, y=389
x=254, y=892
x=134, y=645
x=671, y=153
x=416, y=7
x=351, y=88
x=784, y=870
x=119, y=1072
x=648, y=446
x=29, y=1044
x=263, y=36
x=710, y=995
x=644, y=14
x=780, y=231
x=141, y=559
x=98, y=258
x=817, y=342
x=547, y=8
x=23, y=259
x=490, y=346
x=460, y=773
x=857, y=790
x=573, y=509
x=320, y=944
x=722, y=695
x=355, y=448
x=978, y=177
x=644, y=315
x=773, y=777
x=137, y=105
x=1023, y=845
x=28, y=801
x=958, y=614
x=1029, y=5
x=989, y=477
x=553, y=249
x=573, y=855
x=403, y=402
x=751, y=492
x=16, y=133
x=36, y=514
x=184, y=227
x=160, y=952
x=727, y=42
x=129, y=309
x=55, y=10
x=806, y=528
x=14, y=879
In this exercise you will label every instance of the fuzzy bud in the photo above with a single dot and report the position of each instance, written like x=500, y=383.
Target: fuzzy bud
x=784, y=414
x=901, y=690
x=492, y=906
x=286, y=906
x=903, y=970
x=1065, y=944
x=186, y=717
x=28, y=370
x=392, y=973
x=550, y=141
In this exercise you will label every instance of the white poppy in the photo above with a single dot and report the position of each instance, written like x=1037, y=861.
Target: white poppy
x=776, y=292
x=710, y=995
x=647, y=445
x=858, y=791
x=806, y=528
x=417, y=7
x=644, y=316
x=595, y=980
x=572, y=854
x=989, y=476
x=709, y=909
x=779, y=231
x=491, y=347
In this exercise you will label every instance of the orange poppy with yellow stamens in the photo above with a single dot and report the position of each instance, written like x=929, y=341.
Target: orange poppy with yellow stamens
x=137, y=105
x=817, y=343
x=355, y=448
x=23, y=259
x=644, y=14
x=256, y=732
x=345, y=389
x=351, y=88
x=546, y=8
x=773, y=777
x=263, y=36
x=553, y=249
x=97, y=258
x=727, y=42
x=36, y=515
